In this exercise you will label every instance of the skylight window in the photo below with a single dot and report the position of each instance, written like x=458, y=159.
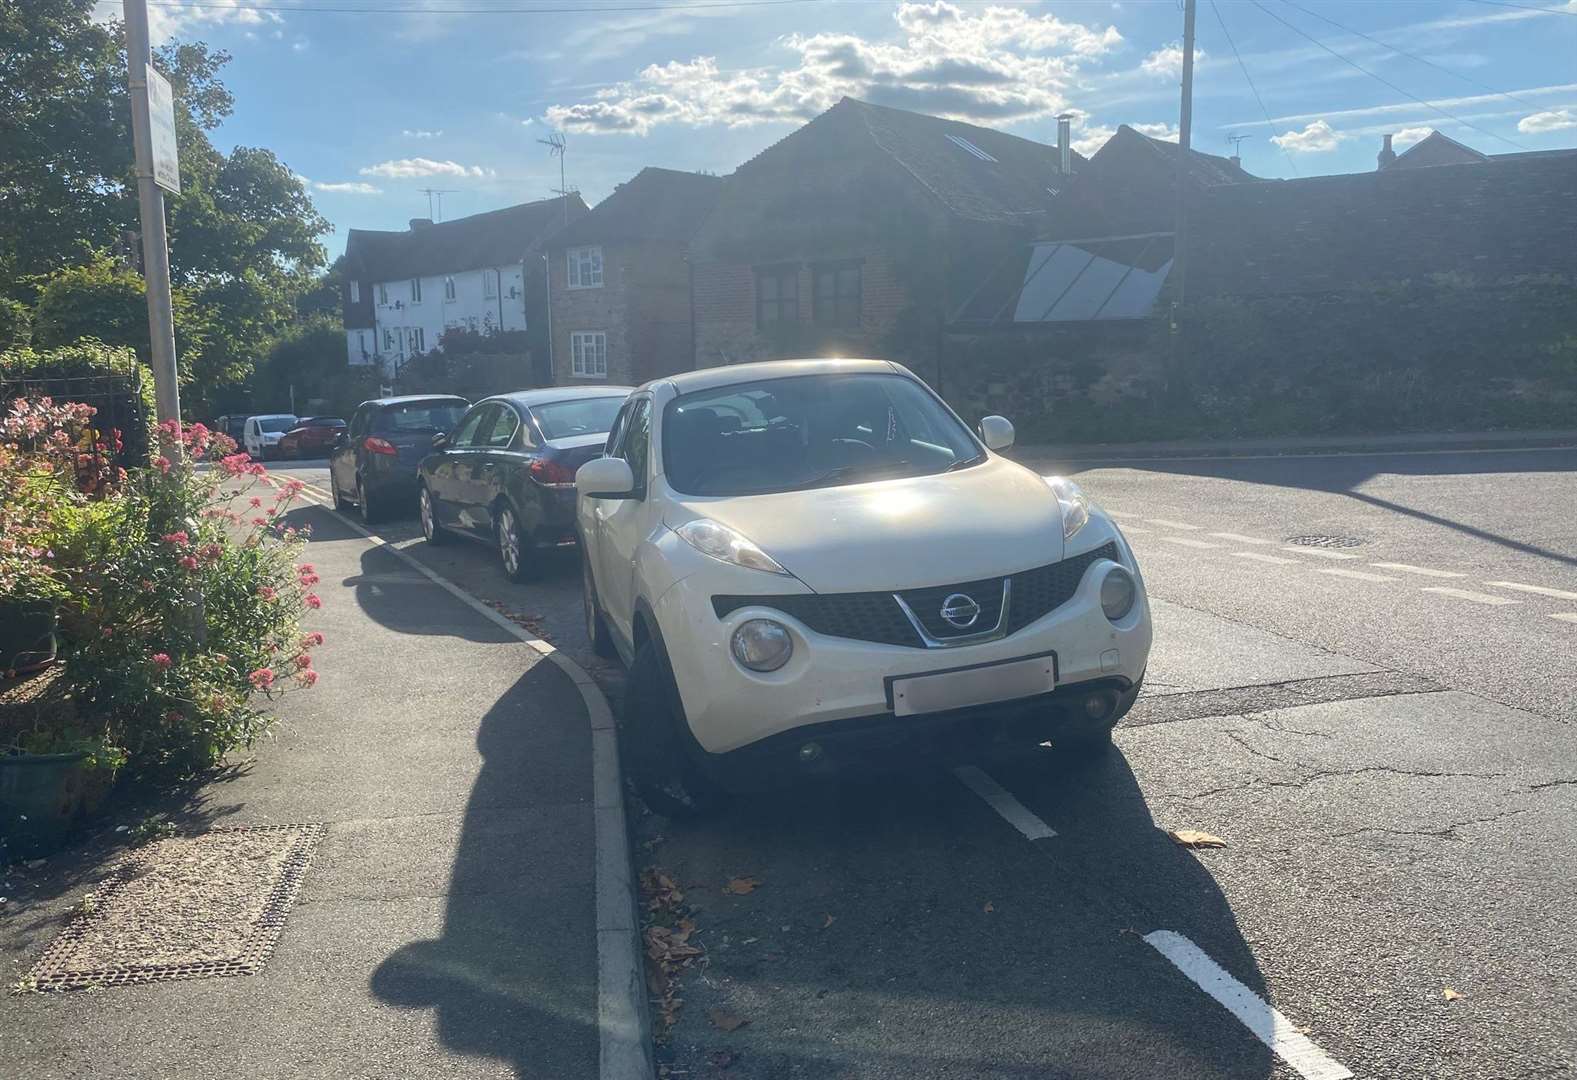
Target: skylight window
x=969, y=147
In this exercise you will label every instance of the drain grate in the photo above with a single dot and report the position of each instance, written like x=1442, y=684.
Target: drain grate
x=1320, y=541
x=184, y=908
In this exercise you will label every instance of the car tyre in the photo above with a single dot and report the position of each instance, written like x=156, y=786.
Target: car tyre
x=1085, y=744
x=371, y=510
x=596, y=623
x=512, y=549
x=432, y=532
x=655, y=759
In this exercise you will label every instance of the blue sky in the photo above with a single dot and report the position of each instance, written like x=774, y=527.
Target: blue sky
x=373, y=105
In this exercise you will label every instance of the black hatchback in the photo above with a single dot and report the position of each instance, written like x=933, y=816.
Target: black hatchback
x=506, y=474
x=374, y=461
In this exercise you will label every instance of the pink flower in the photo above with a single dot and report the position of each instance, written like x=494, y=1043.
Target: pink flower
x=172, y=717
x=309, y=579
x=308, y=677
x=312, y=600
x=179, y=539
x=235, y=464
x=211, y=552
x=189, y=562
x=147, y=585
x=302, y=661
x=161, y=660
x=262, y=678
x=266, y=592
x=312, y=640
x=255, y=501
x=163, y=463
x=260, y=521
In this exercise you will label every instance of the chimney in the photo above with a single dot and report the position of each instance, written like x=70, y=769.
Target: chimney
x=1064, y=144
x=1387, y=155
x=421, y=223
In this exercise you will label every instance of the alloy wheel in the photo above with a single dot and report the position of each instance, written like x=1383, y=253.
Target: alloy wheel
x=509, y=542
x=429, y=526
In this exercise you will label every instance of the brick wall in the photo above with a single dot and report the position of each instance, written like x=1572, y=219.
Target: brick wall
x=643, y=306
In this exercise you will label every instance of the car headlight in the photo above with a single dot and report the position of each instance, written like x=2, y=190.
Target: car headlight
x=762, y=645
x=1118, y=592
x=1075, y=507
x=717, y=541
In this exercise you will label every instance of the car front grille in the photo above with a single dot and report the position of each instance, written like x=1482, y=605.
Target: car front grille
x=878, y=617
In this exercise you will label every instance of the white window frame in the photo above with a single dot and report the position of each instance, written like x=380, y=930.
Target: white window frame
x=383, y=294
x=584, y=267
x=355, y=292
x=449, y=291
x=416, y=290
x=588, y=350
x=417, y=340
x=490, y=284
x=388, y=339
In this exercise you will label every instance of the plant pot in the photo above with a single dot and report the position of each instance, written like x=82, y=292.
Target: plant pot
x=27, y=635
x=42, y=797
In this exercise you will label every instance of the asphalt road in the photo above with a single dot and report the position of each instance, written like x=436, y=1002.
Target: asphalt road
x=1384, y=742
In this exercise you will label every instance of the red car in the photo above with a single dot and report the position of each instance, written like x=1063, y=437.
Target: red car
x=313, y=437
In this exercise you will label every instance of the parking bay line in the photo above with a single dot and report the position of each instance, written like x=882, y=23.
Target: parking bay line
x=1564, y=616
x=1188, y=541
x=1254, y=1012
x=1319, y=552
x=1002, y=801
x=1239, y=538
x=1164, y=523
x=1423, y=571
x=1257, y=557
x=1475, y=597
x=1358, y=575
x=1541, y=590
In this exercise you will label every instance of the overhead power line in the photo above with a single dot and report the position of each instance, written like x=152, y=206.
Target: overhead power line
x=315, y=9
x=1526, y=7
x=1244, y=68
x=1381, y=79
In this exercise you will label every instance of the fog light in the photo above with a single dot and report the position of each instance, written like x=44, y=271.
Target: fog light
x=1098, y=706
x=762, y=645
x=810, y=753
x=1117, y=593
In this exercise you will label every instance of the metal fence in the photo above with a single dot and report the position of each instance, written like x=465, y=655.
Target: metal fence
x=117, y=397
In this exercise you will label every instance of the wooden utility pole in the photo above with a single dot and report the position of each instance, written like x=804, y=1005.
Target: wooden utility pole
x=1185, y=124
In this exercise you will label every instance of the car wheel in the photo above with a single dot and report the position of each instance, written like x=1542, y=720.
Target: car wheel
x=655, y=759
x=596, y=625
x=512, y=551
x=370, y=510
x=432, y=531
x=1084, y=743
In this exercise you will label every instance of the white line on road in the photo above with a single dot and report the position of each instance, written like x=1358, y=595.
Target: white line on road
x=1255, y=1013
x=1187, y=541
x=1131, y=530
x=1257, y=557
x=1542, y=590
x=1425, y=571
x=1319, y=552
x=1476, y=597
x=1564, y=616
x=1172, y=524
x=1239, y=538
x=1002, y=801
x=1359, y=575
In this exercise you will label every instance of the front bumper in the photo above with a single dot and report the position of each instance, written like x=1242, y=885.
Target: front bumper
x=832, y=679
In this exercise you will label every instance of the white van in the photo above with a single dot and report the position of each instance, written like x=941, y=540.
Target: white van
x=264, y=432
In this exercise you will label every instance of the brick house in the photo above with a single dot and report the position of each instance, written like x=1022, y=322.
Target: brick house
x=1438, y=149
x=619, y=284
x=857, y=232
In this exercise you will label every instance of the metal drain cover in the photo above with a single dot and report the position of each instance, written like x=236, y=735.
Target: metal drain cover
x=183, y=908
x=1327, y=541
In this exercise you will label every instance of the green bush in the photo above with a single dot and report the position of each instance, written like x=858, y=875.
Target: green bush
x=107, y=302
x=16, y=325
x=43, y=372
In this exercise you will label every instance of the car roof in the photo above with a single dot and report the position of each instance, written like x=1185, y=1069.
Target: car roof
x=272, y=416
x=408, y=399
x=549, y=394
x=711, y=378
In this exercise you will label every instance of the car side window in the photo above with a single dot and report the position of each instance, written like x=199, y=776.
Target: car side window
x=465, y=434
x=503, y=431
x=359, y=422
x=616, y=432
x=636, y=445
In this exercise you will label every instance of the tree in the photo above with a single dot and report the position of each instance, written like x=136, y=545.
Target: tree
x=16, y=325
x=103, y=300
x=309, y=362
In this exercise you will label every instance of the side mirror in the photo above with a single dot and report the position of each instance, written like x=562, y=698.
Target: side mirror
x=341, y=438
x=996, y=432
x=605, y=478
x=440, y=441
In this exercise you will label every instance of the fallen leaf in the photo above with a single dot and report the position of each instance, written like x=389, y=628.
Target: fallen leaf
x=828, y=921
x=1450, y=994
x=741, y=886
x=1193, y=838
x=989, y=908
x=725, y=1021
x=750, y=941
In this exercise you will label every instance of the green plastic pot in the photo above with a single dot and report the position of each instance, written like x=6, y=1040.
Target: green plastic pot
x=27, y=634
x=42, y=797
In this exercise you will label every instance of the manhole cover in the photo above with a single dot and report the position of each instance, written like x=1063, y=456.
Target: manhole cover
x=1326, y=541
x=183, y=908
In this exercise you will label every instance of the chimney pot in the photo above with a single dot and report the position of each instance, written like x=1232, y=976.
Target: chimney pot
x=420, y=223
x=1065, y=144
x=1387, y=156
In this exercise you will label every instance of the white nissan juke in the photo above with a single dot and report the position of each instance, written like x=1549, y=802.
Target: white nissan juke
x=810, y=565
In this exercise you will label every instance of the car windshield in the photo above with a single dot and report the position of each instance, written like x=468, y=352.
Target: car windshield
x=323, y=422
x=587, y=416
x=273, y=424
x=809, y=431
x=417, y=417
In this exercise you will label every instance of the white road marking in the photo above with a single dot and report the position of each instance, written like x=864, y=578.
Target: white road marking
x=1322, y=553
x=1172, y=524
x=1360, y=575
x=1239, y=538
x=1564, y=616
x=1257, y=557
x=1265, y=1022
x=1542, y=590
x=1188, y=541
x=1002, y=801
x=1425, y=571
x=1129, y=530
x=1476, y=597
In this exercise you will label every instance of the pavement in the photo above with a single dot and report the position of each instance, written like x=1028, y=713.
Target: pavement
x=446, y=926
x=1036, y=453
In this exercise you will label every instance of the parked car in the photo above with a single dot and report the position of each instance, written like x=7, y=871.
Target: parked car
x=233, y=426
x=373, y=462
x=810, y=565
x=261, y=435
x=506, y=475
x=313, y=437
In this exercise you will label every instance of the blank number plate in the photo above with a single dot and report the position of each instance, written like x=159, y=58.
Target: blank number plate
x=974, y=686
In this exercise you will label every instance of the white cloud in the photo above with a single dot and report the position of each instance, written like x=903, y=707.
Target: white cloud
x=1409, y=135
x=1454, y=104
x=987, y=64
x=165, y=23
x=348, y=187
x=1316, y=137
x=1168, y=61
x=420, y=166
x=1157, y=131
x=418, y=133
x=1091, y=139
x=1553, y=120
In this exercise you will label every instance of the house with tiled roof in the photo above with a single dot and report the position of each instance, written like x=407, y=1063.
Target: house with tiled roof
x=854, y=234
x=404, y=290
x=619, y=284
x=1438, y=149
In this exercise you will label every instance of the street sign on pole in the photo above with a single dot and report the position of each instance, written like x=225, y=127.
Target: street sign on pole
x=161, y=132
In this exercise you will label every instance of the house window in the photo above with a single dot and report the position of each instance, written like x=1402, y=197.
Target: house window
x=490, y=284
x=585, y=268
x=416, y=290
x=388, y=340
x=448, y=288
x=361, y=339
x=588, y=354
x=837, y=295
x=777, y=295
x=355, y=292
x=418, y=340
x=383, y=295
